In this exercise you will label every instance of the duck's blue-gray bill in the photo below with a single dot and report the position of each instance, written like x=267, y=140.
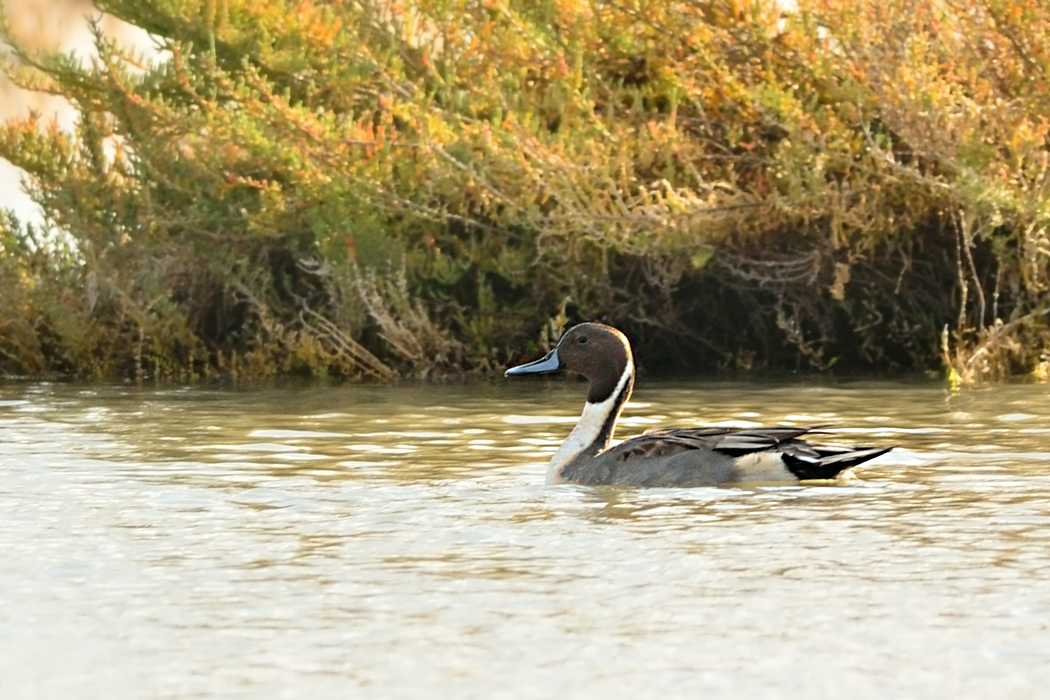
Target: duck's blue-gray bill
x=549, y=363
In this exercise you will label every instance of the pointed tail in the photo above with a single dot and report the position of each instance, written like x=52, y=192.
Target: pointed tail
x=829, y=461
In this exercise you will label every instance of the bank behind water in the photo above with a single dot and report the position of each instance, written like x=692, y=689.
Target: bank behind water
x=434, y=189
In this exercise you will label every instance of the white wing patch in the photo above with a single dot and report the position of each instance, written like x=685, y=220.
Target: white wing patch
x=762, y=466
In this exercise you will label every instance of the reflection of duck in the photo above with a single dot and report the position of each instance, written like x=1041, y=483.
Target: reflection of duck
x=673, y=456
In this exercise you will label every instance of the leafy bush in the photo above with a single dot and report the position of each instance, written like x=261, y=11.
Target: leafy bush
x=418, y=187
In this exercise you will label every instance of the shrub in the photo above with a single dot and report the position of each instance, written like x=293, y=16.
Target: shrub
x=417, y=187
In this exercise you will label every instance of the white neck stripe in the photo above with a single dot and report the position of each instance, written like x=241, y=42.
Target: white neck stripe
x=589, y=428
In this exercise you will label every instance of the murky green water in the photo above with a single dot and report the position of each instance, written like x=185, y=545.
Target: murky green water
x=399, y=542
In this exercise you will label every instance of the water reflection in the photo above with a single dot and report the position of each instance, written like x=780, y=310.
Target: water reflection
x=398, y=541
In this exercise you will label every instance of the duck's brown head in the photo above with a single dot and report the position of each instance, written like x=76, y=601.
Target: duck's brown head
x=600, y=353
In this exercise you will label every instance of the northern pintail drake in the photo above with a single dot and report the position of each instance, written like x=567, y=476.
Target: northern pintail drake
x=672, y=456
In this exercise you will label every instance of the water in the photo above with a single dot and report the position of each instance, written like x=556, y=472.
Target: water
x=398, y=542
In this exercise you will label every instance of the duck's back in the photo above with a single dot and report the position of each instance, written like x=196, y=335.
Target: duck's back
x=707, y=456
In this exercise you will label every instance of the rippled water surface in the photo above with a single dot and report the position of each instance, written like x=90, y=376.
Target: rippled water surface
x=399, y=542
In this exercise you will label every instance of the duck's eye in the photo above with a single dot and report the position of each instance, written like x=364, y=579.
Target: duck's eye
x=582, y=339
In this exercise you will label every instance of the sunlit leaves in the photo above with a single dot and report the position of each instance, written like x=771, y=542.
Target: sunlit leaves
x=508, y=154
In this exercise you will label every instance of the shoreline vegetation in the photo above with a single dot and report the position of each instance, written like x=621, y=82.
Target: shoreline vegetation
x=431, y=188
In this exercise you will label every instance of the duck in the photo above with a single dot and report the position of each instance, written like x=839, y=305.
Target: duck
x=670, y=457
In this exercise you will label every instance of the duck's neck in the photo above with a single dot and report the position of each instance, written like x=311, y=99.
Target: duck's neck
x=595, y=428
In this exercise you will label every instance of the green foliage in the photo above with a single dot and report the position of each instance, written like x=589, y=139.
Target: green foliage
x=416, y=187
